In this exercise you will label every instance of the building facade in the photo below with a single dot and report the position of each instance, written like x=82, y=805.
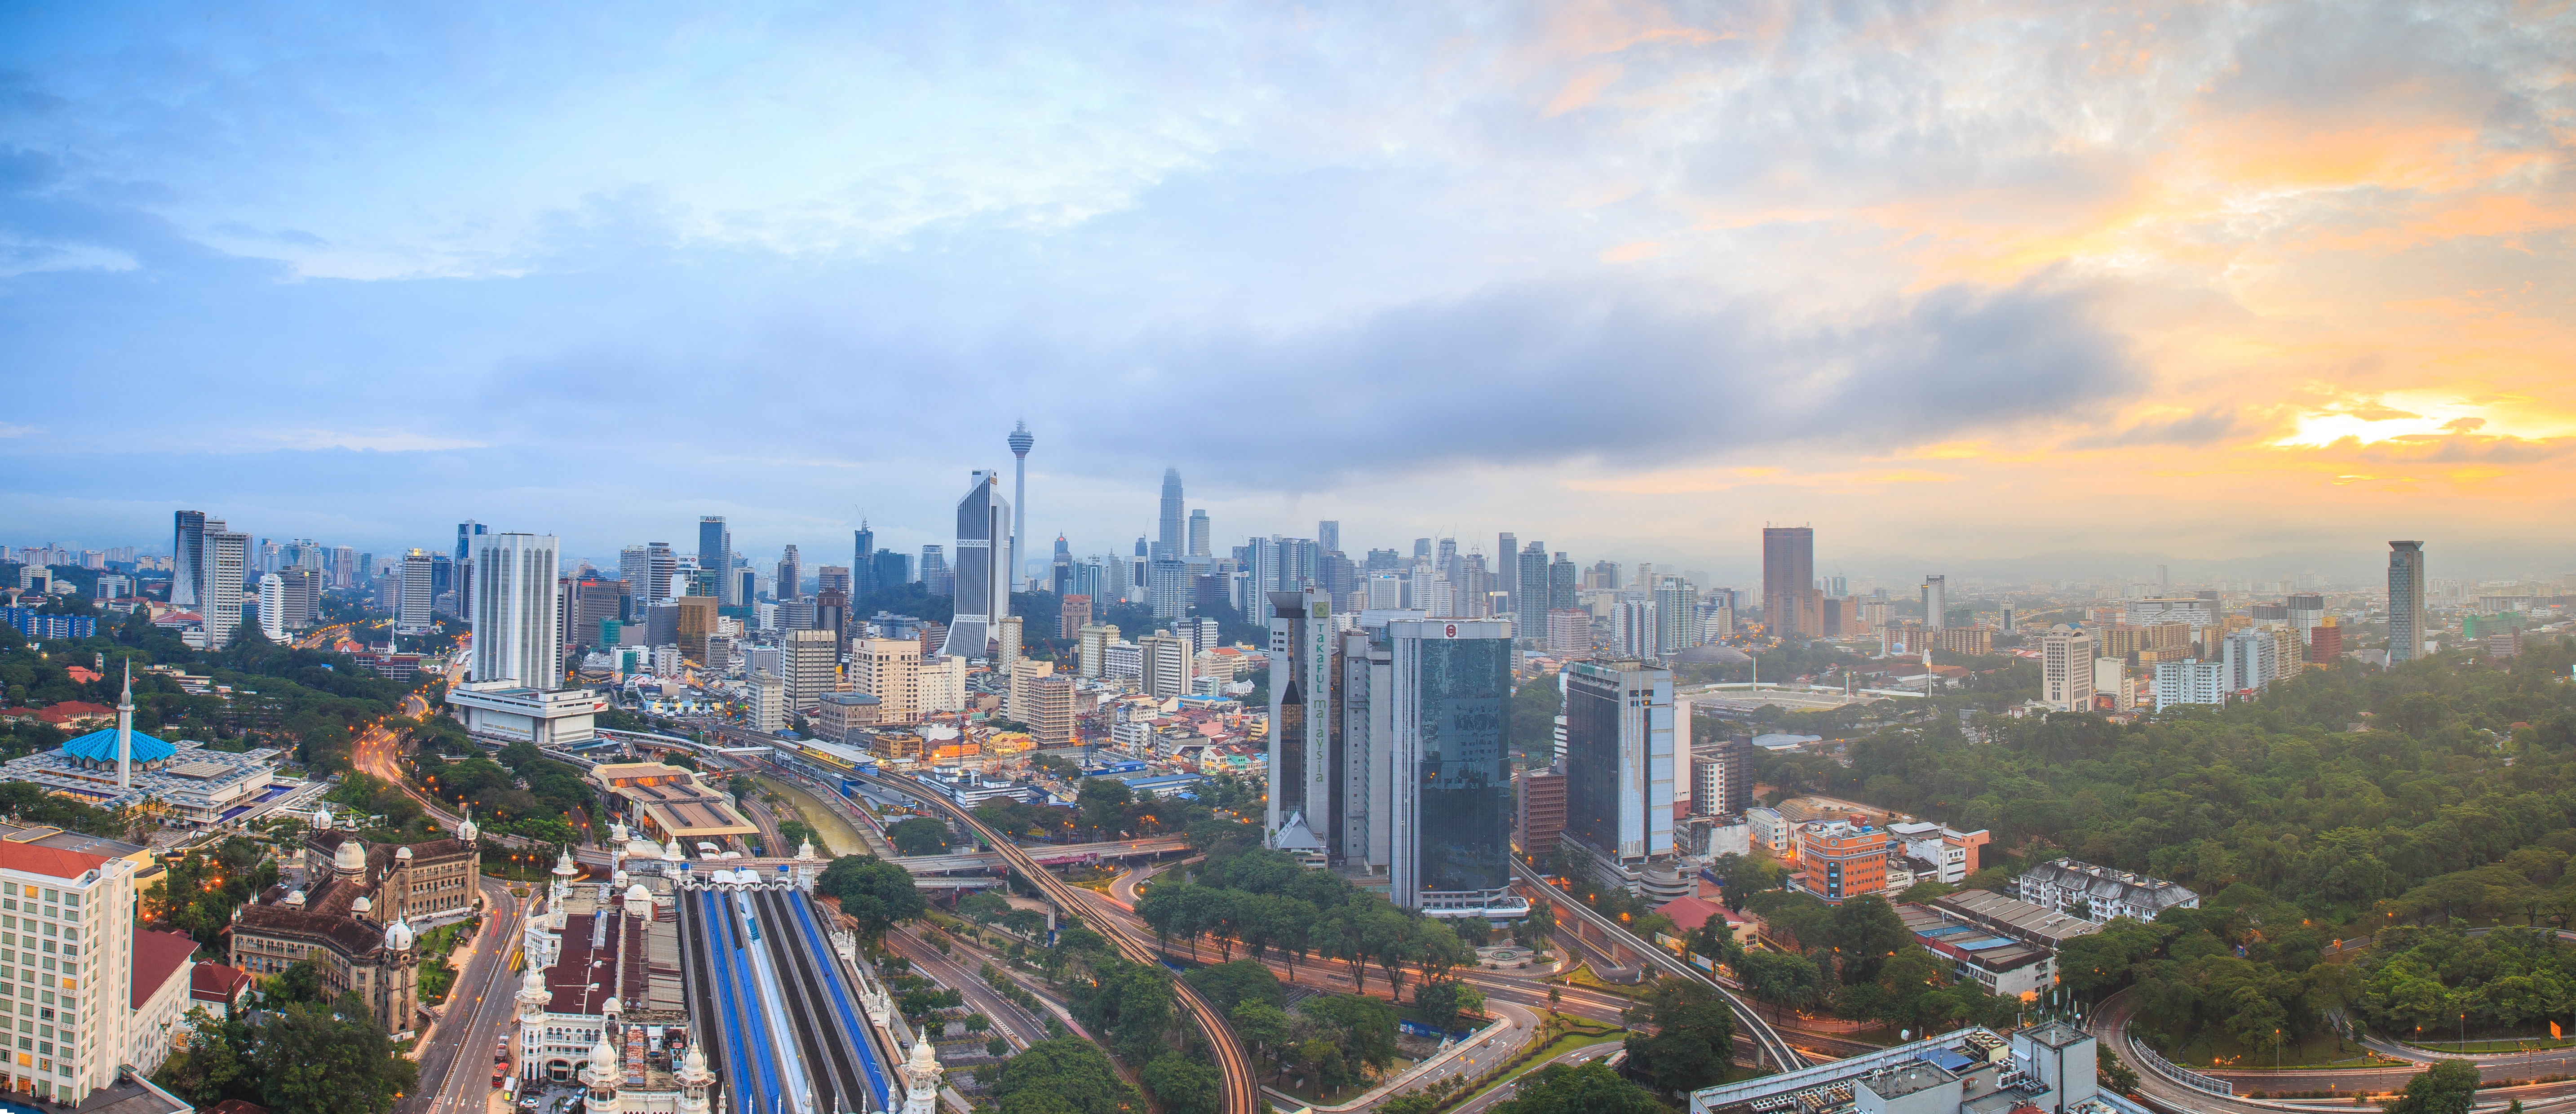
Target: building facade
x=1450, y=737
x=2066, y=669
x=351, y=909
x=2099, y=893
x=2406, y=586
x=518, y=629
x=1619, y=759
x=983, y=592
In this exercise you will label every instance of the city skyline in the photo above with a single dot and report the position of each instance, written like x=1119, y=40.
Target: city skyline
x=2231, y=285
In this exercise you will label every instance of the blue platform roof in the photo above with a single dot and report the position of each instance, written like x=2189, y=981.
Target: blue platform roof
x=100, y=746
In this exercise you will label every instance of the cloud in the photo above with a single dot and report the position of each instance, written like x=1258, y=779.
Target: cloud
x=2203, y=427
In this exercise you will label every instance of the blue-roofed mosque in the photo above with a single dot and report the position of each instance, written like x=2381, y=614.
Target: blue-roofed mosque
x=120, y=766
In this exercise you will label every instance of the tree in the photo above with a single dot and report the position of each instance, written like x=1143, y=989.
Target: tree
x=1229, y=985
x=1265, y=1027
x=1866, y=932
x=1587, y=1088
x=1366, y=1025
x=2448, y=1087
x=1065, y=1075
x=875, y=893
x=1693, y=1040
x=1181, y=1085
x=2111, y=1073
x=1441, y=1002
x=320, y=1059
x=919, y=835
x=1779, y=978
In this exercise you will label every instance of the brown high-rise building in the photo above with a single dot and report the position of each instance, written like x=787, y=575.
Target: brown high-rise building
x=1542, y=809
x=1790, y=602
x=697, y=620
x=1075, y=615
x=2325, y=641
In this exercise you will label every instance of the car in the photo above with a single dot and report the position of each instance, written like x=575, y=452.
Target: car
x=530, y=1103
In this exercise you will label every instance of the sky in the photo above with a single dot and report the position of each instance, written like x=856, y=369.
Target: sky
x=2062, y=289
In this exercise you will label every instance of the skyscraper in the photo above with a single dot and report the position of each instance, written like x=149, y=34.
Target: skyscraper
x=219, y=587
x=863, y=541
x=1198, y=533
x=517, y=630
x=791, y=576
x=463, y=569
x=666, y=565
x=1507, y=567
x=1021, y=442
x=983, y=585
x=715, y=552
x=1169, y=539
x=1619, y=759
x=1328, y=533
x=1449, y=730
x=2405, y=601
x=1562, y=578
x=1301, y=713
x=1936, y=601
x=1060, y=566
x=187, y=556
x=1788, y=576
x=418, y=587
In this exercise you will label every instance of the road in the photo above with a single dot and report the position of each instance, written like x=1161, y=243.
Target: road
x=1240, y=1086
x=1008, y=1018
x=455, y=1067
x=1570, y=1057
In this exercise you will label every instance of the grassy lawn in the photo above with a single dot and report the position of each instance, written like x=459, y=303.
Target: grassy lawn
x=1582, y=976
x=2496, y=1044
x=2326, y=1050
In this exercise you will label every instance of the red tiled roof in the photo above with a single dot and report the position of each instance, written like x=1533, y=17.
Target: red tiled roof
x=214, y=982
x=157, y=956
x=48, y=861
x=70, y=710
x=1688, y=913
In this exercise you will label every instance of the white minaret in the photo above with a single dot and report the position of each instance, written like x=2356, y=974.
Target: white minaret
x=602, y=1075
x=125, y=731
x=921, y=1080
x=807, y=863
x=694, y=1080
x=1021, y=442
x=564, y=872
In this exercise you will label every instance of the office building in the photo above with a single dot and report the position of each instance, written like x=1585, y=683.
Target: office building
x=1936, y=601
x=694, y=621
x=1072, y=614
x=1721, y=777
x=1168, y=588
x=811, y=661
x=791, y=576
x=890, y=670
x=2325, y=641
x=1788, y=577
x=1676, y=609
x=715, y=554
x=1198, y=533
x=1542, y=811
x=1449, y=740
x=1569, y=631
x=1302, y=786
x=1385, y=591
x=2111, y=682
x=1095, y=640
x=2307, y=609
x=1633, y=629
x=463, y=567
x=1169, y=541
x=1619, y=759
x=2100, y=893
x=518, y=630
x=2406, y=585
x=1529, y=582
x=587, y=603
x=2066, y=669
x=1045, y=704
x=187, y=555
x=2249, y=659
x=1841, y=859
x=1561, y=580
x=1165, y=665
x=1006, y=645
x=768, y=701
x=2190, y=681
x=635, y=567
x=2193, y=611
x=983, y=585
x=1020, y=442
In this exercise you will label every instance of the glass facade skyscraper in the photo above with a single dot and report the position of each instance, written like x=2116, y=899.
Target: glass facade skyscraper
x=715, y=555
x=1619, y=749
x=1451, y=735
x=2405, y=601
x=983, y=585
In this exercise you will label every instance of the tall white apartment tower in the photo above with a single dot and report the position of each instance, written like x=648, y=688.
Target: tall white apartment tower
x=414, y=602
x=2405, y=601
x=272, y=606
x=2066, y=668
x=518, y=632
x=1936, y=600
x=983, y=584
x=219, y=593
x=1021, y=443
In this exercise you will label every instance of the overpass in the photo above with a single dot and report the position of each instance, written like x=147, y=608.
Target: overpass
x=1600, y=928
x=1241, y=1088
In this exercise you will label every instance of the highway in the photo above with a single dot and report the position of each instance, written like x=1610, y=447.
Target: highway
x=455, y=1067
x=1774, y=1048
x=1013, y=1023
x=1241, y=1085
